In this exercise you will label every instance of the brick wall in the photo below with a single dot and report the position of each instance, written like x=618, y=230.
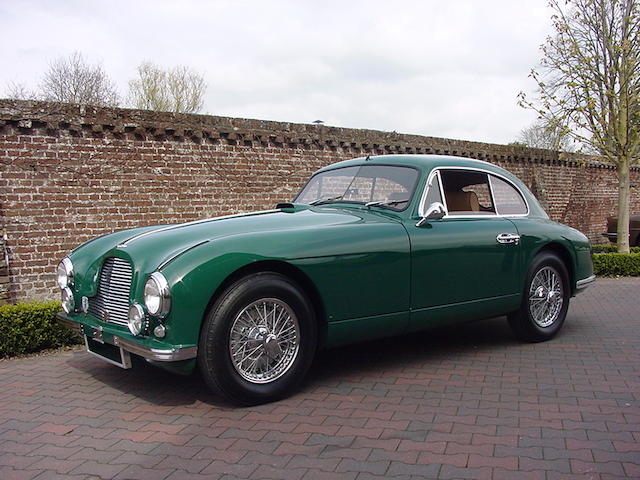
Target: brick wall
x=69, y=173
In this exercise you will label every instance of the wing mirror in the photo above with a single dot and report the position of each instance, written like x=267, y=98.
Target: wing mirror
x=434, y=212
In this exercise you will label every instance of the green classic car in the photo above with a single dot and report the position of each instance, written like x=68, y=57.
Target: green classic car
x=370, y=247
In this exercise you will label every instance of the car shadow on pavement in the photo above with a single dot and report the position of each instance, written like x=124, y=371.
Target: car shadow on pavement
x=417, y=351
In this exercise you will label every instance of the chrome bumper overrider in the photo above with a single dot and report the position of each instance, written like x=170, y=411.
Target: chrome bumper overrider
x=585, y=282
x=75, y=327
x=157, y=354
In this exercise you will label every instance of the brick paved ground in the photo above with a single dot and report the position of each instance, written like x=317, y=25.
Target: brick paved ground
x=465, y=402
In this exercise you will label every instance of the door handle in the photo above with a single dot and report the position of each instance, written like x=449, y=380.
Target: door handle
x=508, y=238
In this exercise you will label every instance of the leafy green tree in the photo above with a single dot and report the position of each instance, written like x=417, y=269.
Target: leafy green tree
x=589, y=84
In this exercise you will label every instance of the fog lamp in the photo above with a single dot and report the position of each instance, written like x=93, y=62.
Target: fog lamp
x=136, y=320
x=67, y=301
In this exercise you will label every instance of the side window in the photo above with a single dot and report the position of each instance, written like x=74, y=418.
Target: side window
x=467, y=192
x=508, y=199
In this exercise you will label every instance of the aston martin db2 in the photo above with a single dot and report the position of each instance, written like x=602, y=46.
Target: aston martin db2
x=370, y=247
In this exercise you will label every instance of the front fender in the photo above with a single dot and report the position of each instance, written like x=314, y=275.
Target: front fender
x=359, y=270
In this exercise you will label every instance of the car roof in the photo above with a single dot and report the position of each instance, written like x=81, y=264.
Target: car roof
x=423, y=162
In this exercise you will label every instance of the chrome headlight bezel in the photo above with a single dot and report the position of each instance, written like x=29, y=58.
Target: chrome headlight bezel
x=64, y=273
x=157, y=296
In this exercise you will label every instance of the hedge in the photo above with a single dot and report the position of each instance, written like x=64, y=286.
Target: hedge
x=611, y=249
x=31, y=327
x=610, y=264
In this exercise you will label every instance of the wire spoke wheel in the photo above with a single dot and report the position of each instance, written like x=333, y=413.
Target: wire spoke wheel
x=545, y=297
x=264, y=340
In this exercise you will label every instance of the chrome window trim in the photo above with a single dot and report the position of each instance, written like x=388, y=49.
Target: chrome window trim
x=422, y=207
x=436, y=171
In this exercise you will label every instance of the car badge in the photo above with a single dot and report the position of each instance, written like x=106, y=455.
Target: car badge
x=105, y=316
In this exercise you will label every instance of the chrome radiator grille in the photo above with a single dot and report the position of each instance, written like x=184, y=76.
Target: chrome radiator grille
x=112, y=301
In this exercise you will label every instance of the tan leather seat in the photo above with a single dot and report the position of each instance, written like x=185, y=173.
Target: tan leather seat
x=462, y=201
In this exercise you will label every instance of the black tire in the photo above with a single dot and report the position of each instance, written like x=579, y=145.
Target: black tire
x=532, y=323
x=229, y=315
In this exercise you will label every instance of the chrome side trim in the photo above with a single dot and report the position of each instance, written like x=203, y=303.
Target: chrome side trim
x=195, y=222
x=159, y=355
x=73, y=326
x=173, y=257
x=585, y=282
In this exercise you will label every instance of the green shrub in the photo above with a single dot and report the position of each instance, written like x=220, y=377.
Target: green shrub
x=609, y=264
x=611, y=248
x=31, y=327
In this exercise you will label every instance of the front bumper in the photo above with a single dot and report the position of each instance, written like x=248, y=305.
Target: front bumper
x=102, y=335
x=584, y=283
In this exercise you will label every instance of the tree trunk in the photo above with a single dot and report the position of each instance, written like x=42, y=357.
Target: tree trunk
x=623, y=205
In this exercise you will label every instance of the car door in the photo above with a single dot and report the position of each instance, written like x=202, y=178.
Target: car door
x=463, y=265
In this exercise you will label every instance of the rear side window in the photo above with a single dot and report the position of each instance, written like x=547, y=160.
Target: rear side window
x=508, y=200
x=467, y=192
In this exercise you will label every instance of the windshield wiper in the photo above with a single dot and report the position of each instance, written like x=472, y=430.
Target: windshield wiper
x=322, y=201
x=380, y=203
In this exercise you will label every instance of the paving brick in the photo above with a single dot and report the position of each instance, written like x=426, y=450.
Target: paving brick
x=98, y=469
x=452, y=471
x=302, y=461
x=173, y=462
x=474, y=404
x=359, y=454
x=374, y=467
x=501, y=474
x=218, y=467
x=581, y=467
x=560, y=465
x=320, y=439
x=8, y=473
x=286, y=448
x=418, y=470
x=139, y=473
x=504, y=462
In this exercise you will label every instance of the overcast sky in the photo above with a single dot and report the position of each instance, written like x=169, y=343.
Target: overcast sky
x=430, y=67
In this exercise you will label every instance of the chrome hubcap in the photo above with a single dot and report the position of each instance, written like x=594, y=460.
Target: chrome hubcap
x=545, y=297
x=264, y=340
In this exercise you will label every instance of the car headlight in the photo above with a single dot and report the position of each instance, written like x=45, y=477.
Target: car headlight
x=157, y=297
x=64, y=273
x=67, y=300
x=136, y=321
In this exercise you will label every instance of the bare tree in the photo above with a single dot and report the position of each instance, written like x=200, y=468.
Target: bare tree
x=589, y=80
x=179, y=89
x=541, y=135
x=19, y=91
x=71, y=79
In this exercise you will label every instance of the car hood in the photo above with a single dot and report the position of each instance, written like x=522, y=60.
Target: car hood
x=151, y=247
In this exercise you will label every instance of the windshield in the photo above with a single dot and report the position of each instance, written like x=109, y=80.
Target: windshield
x=387, y=186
